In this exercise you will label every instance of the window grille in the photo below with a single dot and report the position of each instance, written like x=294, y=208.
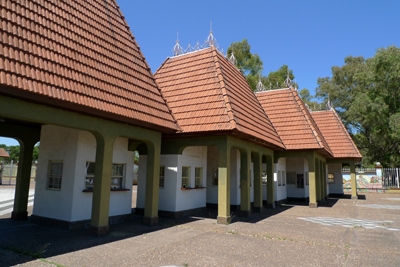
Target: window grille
x=197, y=177
x=54, y=178
x=185, y=177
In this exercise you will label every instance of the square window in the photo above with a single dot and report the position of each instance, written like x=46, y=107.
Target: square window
x=197, y=176
x=162, y=176
x=185, y=177
x=331, y=178
x=116, y=179
x=54, y=176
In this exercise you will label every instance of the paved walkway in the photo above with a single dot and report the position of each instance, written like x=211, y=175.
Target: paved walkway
x=342, y=233
x=7, y=199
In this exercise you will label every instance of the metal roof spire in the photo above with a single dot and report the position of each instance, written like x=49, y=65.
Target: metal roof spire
x=177, y=48
x=329, y=104
x=288, y=81
x=210, y=41
x=260, y=86
x=232, y=58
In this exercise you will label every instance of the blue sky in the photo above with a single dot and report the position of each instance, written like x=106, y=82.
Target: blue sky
x=309, y=36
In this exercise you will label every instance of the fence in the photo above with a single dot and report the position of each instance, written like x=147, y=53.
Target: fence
x=390, y=177
x=360, y=170
x=8, y=173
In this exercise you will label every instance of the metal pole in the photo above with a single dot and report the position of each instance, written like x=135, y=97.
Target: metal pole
x=397, y=172
x=11, y=169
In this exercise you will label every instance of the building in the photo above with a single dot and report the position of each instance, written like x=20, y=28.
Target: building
x=73, y=77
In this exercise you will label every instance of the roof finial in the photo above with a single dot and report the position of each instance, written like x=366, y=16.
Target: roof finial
x=288, y=81
x=232, y=58
x=329, y=104
x=210, y=41
x=177, y=48
x=260, y=86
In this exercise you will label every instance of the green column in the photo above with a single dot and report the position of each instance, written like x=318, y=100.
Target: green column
x=318, y=180
x=224, y=184
x=353, y=180
x=312, y=182
x=325, y=182
x=101, y=186
x=258, y=196
x=20, y=210
x=152, y=183
x=245, y=176
x=270, y=183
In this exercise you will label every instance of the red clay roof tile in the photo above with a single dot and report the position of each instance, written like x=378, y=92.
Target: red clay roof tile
x=292, y=120
x=207, y=93
x=80, y=52
x=336, y=134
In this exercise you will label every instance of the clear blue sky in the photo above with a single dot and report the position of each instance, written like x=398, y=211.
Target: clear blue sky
x=309, y=36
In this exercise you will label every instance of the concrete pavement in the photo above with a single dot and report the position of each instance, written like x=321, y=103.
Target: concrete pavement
x=342, y=233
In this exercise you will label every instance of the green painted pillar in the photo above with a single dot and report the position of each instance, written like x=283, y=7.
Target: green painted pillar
x=102, y=185
x=312, y=182
x=325, y=182
x=245, y=176
x=318, y=181
x=354, y=194
x=258, y=188
x=152, y=183
x=20, y=210
x=224, y=184
x=270, y=183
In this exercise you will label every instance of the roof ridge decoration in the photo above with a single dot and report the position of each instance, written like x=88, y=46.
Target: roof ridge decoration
x=288, y=82
x=329, y=104
x=260, y=86
x=210, y=41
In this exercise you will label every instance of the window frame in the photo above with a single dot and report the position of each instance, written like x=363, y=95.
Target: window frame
x=120, y=185
x=198, y=177
x=54, y=186
x=187, y=185
x=162, y=177
x=293, y=179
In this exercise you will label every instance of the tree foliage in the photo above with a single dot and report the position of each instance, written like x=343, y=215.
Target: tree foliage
x=365, y=93
x=14, y=152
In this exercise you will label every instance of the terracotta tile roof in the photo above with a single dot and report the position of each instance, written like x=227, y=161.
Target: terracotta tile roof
x=336, y=134
x=3, y=153
x=207, y=93
x=81, y=53
x=292, y=120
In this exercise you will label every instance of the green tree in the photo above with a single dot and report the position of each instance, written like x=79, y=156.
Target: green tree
x=249, y=64
x=365, y=93
x=14, y=152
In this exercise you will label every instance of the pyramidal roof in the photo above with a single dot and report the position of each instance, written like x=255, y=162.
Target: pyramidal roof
x=206, y=93
x=292, y=120
x=336, y=134
x=79, y=55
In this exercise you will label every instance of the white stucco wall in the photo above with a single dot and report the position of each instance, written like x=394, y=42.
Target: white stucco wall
x=280, y=191
x=336, y=169
x=172, y=197
x=75, y=148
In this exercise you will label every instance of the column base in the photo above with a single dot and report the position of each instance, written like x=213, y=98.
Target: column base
x=224, y=220
x=150, y=220
x=313, y=205
x=354, y=197
x=19, y=215
x=271, y=206
x=258, y=209
x=99, y=231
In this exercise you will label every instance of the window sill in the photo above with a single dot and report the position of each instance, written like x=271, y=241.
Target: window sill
x=112, y=190
x=192, y=188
